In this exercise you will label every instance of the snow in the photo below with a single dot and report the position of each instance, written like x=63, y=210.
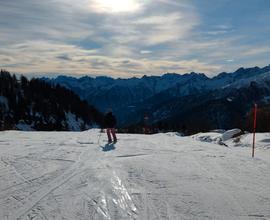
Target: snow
x=4, y=103
x=157, y=84
x=218, y=136
x=67, y=175
x=73, y=123
x=24, y=126
x=230, y=134
x=260, y=79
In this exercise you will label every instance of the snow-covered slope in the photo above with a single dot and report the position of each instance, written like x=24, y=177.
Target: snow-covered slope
x=61, y=175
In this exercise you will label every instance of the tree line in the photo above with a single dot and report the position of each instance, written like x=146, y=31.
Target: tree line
x=41, y=105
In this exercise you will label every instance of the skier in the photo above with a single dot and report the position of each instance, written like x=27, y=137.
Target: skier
x=146, y=128
x=110, y=123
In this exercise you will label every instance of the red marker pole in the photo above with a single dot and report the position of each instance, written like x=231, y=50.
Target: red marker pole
x=254, y=128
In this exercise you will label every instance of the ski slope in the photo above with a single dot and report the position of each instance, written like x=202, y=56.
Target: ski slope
x=69, y=175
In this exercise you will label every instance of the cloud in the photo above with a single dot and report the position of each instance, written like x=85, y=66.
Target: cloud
x=135, y=37
x=166, y=28
x=145, y=52
x=39, y=57
x=256, y=51
x=64, y=57
x=119, y=6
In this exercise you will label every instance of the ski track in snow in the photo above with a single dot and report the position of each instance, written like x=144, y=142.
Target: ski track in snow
x=67, y=175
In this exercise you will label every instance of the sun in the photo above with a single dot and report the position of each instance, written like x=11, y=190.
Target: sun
x=116, y=6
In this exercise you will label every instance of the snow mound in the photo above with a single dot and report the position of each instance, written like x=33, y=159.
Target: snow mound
x=24, y=126
x=230, y=134
x=218, y=137
x=173, y=134
x=211, y=137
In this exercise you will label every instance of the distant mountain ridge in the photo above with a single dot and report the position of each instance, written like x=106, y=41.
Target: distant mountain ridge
x=132, y=98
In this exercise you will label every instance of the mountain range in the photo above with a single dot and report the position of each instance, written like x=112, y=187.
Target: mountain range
x=174, y=101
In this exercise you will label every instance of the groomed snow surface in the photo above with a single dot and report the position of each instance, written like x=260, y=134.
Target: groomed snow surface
x=74, y=175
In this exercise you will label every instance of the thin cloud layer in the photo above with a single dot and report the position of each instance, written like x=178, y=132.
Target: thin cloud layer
x=119, y=6
x=132, y=37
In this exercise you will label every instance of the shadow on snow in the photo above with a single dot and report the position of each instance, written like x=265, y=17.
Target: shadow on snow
x=108, y=147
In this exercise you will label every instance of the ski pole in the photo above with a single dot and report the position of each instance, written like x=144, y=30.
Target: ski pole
x=99, y=136
x=254, y=128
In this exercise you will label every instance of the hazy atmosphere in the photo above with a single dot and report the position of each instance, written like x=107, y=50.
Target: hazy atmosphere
x=127, y=38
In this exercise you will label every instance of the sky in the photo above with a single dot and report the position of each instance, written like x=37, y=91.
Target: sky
x=127, y=38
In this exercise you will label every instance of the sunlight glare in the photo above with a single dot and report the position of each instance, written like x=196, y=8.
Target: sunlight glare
x=116, y=6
